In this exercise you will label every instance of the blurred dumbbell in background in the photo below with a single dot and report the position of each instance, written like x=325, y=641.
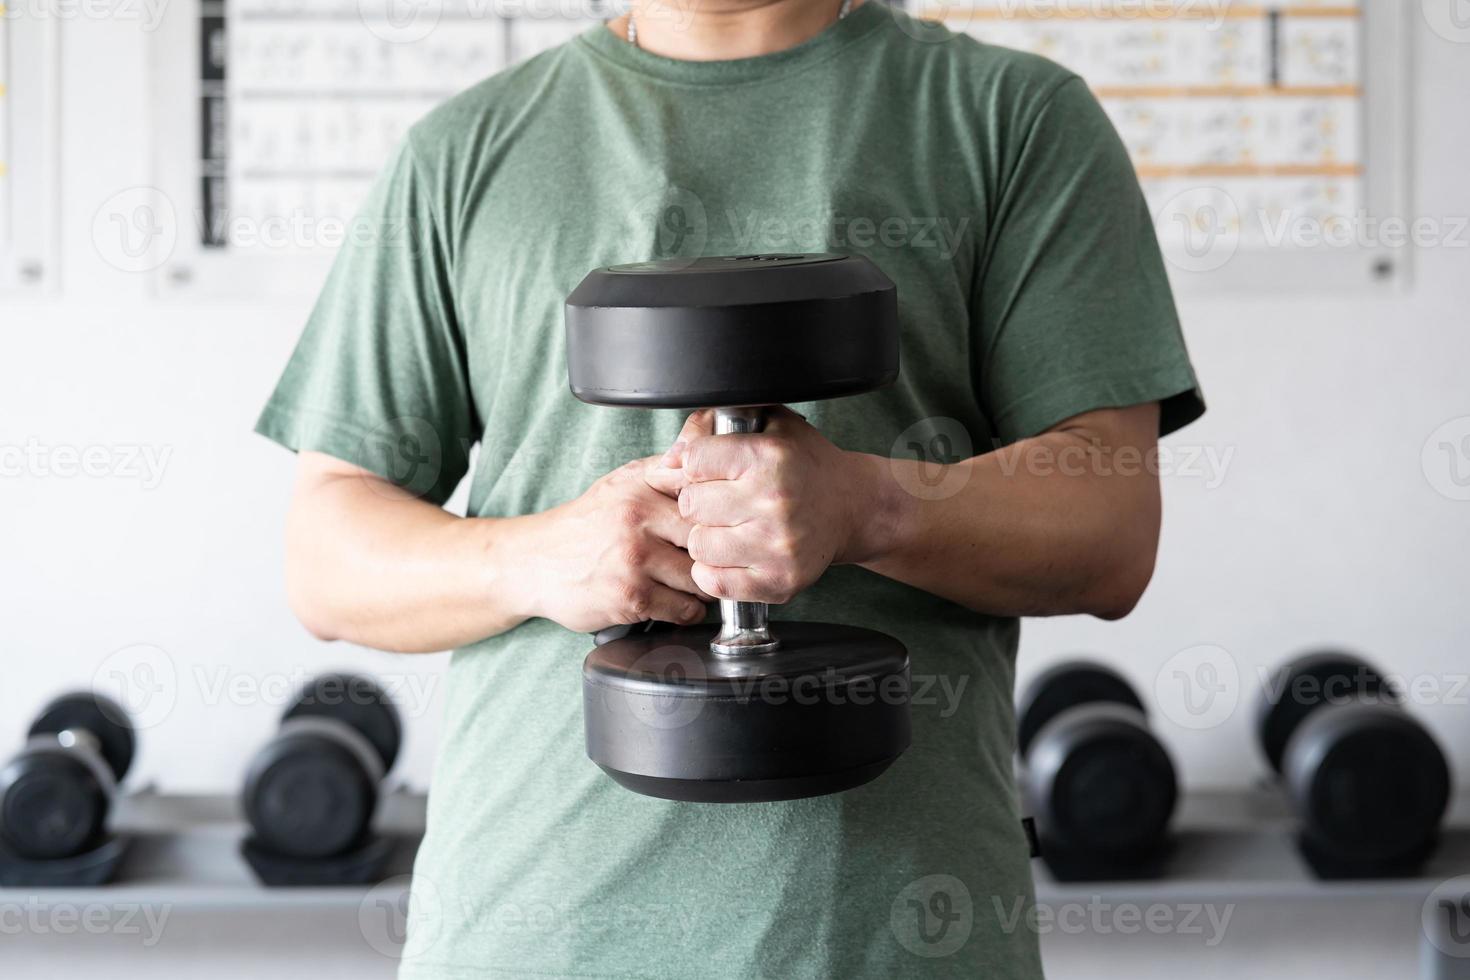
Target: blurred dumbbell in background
x=57, y=791
x=310, y=793
x=1368, y=783
x=1100, y=786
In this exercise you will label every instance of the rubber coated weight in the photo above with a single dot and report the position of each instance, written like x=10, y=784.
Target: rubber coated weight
x=1098, y=780
x=312, y=790
x=55, y=794
x=1301, y=686
x=1100, y=785
x=731, y=331
x=309, y=795
x=100, y=716
x=667, y=718
x=1067, y=685
x=356, y=701
x=1368, y=782
x=51, y=805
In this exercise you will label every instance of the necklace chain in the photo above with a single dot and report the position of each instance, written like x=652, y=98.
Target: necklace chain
x=842, y=12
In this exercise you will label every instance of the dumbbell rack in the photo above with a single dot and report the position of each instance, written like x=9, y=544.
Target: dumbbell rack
x=1227, y=844
x=185, y=852
x=1230, y=847
x=1240, y=845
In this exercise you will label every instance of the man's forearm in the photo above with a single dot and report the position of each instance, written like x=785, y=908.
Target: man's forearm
x=373, y=565
x=1053, y=525
x=369, y=563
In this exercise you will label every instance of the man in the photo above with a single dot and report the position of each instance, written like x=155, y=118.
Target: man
x=1037, y=326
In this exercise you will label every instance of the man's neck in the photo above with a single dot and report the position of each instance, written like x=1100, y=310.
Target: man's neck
x=721, y=30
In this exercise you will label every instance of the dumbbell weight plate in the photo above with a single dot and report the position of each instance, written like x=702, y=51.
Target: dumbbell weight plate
x=311, y=792
x=731, y=331
x=1064, y=686
x=1099, y=781
x=358, y=702
x=52, y=804
x=1301, y=686
x=1369, y=782
x=104, y=718
x=54, y=797
x=827, y=712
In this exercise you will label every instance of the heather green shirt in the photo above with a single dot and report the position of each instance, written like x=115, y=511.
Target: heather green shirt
x=990, y=187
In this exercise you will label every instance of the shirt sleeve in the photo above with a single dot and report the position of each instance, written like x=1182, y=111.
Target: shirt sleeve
x=380, y=376
x=1073, y=310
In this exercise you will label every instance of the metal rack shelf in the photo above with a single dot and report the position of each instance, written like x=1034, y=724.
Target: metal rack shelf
x=1227, y=847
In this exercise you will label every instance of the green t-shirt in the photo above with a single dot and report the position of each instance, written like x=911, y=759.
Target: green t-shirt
x=991, y=188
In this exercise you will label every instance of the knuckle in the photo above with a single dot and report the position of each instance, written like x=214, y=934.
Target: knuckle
x=633, y=554
x=711, y=581
x=783, y=585
x=774, y=452
x=634, y=597
x=630, y=514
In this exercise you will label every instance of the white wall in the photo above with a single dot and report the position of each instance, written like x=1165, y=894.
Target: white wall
x=1324, y=529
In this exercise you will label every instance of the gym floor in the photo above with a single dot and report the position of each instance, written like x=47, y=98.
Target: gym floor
x=1322, y=503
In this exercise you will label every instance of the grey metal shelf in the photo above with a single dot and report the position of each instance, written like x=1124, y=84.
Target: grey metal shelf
x=1227, y=847
x=186, y=854
x=1241, y=845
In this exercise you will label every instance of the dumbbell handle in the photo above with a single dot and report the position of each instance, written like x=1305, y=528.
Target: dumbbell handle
x=744, y=629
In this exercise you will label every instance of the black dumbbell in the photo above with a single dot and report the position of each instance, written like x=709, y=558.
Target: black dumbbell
x=56, y=792
x=1100, y=786
x=1368, y=782
x=312, y=790
x=743, y=712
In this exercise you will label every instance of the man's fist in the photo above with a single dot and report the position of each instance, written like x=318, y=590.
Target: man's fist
x=769, y=511
x=614, y=555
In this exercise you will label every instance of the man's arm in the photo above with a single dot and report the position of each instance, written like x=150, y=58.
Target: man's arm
x=368, y=562
x=1065, y=522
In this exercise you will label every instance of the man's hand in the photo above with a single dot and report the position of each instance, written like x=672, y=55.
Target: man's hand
x=1020, y=534
x=613, y=555
x=770, y=510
